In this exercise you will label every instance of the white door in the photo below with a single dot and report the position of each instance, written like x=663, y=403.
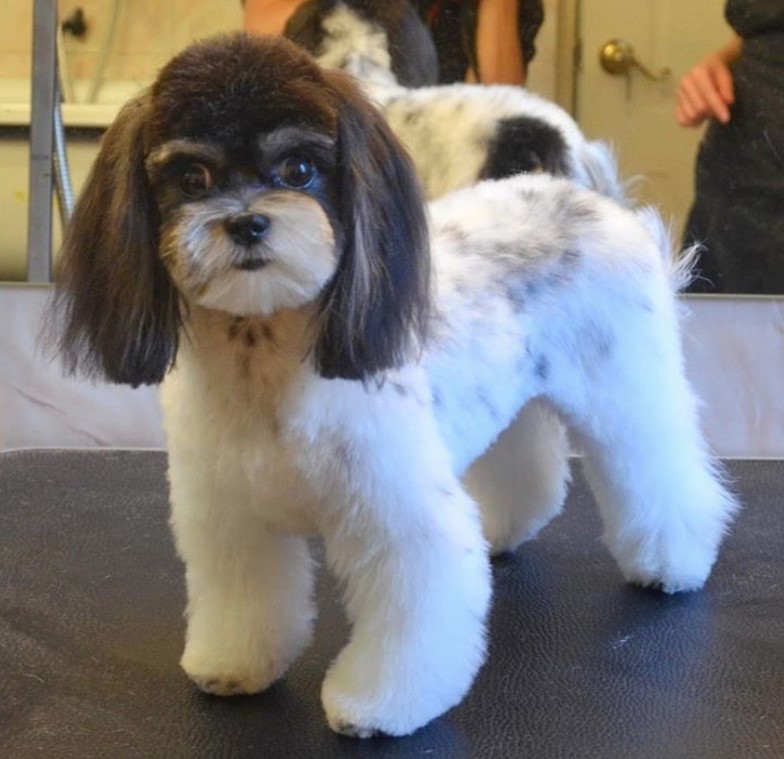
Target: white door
x=637, y=114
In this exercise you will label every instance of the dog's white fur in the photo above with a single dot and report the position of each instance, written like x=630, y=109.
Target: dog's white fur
x=263, y=455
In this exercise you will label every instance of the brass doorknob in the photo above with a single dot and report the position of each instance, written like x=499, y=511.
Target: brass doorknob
x=617, y=57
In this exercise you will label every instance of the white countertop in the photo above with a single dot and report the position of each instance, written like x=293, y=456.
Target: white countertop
x=15, y=103
x=87, y=115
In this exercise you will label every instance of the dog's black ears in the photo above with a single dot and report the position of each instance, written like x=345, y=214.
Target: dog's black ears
x=374, y=313
x=116, y=311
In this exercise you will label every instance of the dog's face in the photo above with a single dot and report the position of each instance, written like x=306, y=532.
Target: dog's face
x=242, y=160
x=247, y=180
x=250, y=228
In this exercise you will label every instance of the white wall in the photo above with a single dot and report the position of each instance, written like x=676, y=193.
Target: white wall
x=734, y=350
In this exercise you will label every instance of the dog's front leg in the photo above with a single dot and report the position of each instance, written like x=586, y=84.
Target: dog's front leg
x=408, y=548
x=250, y=608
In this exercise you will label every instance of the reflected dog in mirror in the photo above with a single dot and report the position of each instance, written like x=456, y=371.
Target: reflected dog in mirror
x=334, y=353
x=457, y=134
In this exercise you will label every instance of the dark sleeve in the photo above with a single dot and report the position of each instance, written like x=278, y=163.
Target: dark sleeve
x=531, y=16
x=750, y=18
x=453, y=23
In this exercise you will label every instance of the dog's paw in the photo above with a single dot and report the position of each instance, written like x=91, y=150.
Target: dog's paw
x=227, y=686
x=223, y=679
x=363, y=707
x=670, y=571
x=351, y=730
x=361, y=717
x=669, y=579
x=503, y=538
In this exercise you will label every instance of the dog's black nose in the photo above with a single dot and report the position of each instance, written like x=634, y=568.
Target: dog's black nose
x=247, y=228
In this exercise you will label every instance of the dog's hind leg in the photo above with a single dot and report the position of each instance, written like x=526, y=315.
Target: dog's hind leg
x=521, y=484
x=622, y=386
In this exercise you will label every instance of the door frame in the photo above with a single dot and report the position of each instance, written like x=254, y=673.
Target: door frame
x=568, y=54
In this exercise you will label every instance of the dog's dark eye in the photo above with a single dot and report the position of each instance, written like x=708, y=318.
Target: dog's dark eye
x=195, y=180
x=296, y=172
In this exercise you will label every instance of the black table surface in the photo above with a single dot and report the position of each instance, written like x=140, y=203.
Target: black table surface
x=580, y=665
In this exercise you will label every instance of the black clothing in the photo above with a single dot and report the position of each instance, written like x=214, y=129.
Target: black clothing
x=453, y=25
x=738, y=211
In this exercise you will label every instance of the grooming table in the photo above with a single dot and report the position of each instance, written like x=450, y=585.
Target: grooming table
x=580, y=665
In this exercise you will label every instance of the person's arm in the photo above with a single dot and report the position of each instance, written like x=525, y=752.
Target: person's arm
x=268, y=16
x=498, y=49
x=707, y=91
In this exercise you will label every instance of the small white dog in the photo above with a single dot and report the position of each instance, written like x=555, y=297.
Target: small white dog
x=457, y=134
x=253, y=235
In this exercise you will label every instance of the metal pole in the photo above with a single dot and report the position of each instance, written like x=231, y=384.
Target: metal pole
x=42, y=103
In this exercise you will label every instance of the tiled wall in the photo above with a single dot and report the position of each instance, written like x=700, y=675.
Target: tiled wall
x=151, y=31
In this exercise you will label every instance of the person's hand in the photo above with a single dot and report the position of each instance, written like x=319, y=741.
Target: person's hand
x=268, y=16
x=707, y=91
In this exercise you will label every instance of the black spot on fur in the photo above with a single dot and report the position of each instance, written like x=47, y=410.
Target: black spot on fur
x=400, y=389
x=570, y=257
x=250, y=338
x=462, y=289
x=523, y=145
x=488, y=405
x=519, y=294
x=235, y=327
x=542, y=368
x=595, y=340
x=570, y=208
x=446, y=492
x=268, y=334
x=457, y=235
x=508, y=250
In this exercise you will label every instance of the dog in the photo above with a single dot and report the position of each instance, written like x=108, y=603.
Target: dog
x=457, y=134
x=334, y=354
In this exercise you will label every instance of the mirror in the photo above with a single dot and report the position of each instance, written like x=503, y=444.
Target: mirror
x=109, y=49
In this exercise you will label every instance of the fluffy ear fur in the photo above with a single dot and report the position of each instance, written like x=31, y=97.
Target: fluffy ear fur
x=376, y=309
x=116, y=310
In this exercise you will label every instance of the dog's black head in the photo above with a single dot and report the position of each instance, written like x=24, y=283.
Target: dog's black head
x=354, y=34
x=246, y=180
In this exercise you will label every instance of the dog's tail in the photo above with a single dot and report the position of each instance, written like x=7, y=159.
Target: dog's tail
x=597, y=169
x=680, y=263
